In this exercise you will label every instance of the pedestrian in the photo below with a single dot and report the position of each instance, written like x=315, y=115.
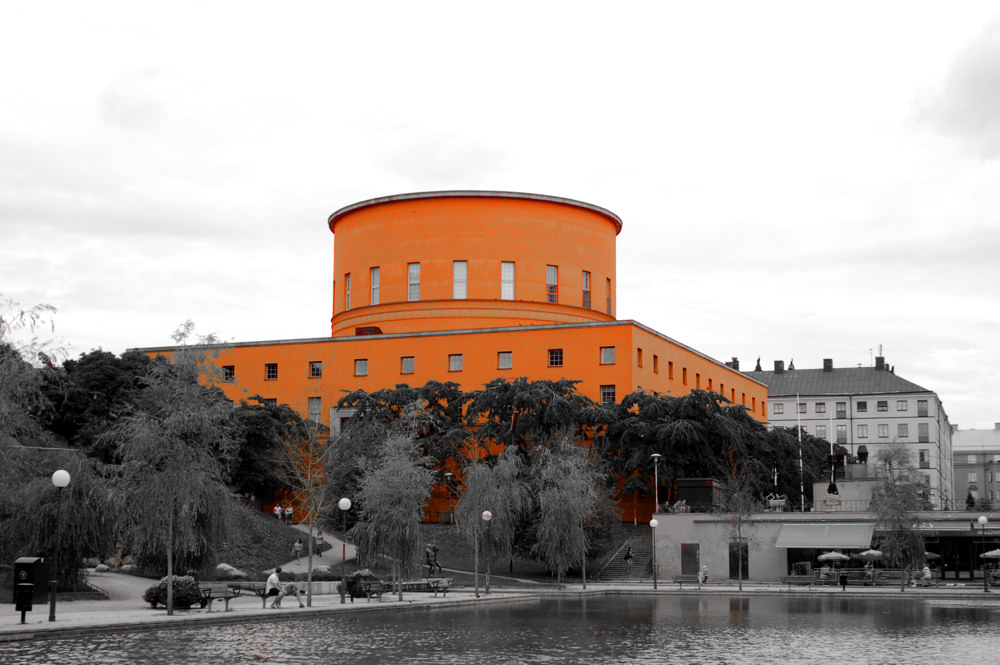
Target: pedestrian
x=273, y=589
x=278, y=512
x=319, y=542
x=628, y=560
x=703, y=576
x=297, y=550
x=843, y=579
x=289, y=515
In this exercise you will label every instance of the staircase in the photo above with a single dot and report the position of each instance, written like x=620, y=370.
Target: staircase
x=616, y=569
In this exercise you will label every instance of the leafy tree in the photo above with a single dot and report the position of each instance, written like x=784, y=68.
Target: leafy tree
x=893, y=504
x=169, y=493
x=21, y=398
x=261, y=430
x=391, y=498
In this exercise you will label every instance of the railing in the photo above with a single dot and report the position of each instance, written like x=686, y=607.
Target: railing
x=835, y=505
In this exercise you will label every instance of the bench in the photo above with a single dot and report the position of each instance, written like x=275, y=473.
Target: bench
x=213, y=592
x=691, y=579
x=798, y=580
x=442, y=584
x=372, y=588
x=259, y=590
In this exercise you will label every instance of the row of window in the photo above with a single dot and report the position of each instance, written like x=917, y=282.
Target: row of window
x=974, y=477
x=975, y=459
x=460, y=284
x=882, y=406
x=902, y=431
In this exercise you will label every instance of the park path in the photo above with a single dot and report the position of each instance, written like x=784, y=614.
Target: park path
x=331, y=557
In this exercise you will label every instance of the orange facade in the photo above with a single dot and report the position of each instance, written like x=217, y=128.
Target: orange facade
x=501, y=290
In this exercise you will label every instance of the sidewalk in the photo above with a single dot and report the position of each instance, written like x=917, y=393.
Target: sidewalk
x=333, y=557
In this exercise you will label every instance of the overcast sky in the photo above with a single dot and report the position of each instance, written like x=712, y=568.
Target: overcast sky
x=796, y=180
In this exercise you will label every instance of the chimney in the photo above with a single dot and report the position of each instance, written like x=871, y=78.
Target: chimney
x=779, y=366
x=736, y=363
x=827, y=364
x=879, y=362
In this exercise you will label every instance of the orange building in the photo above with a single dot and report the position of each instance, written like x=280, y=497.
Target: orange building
x=469, y=286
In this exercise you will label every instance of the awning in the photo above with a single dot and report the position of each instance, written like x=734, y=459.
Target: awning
x=826, y=536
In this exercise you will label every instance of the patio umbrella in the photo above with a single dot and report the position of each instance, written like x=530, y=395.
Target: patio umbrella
x=833, y=556
x=930, y=556
x=992, y=554
x=870, y=555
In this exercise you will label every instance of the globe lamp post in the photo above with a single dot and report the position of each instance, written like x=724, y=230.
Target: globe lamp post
x=60, y=479
x=344, y=505
x=653, y=524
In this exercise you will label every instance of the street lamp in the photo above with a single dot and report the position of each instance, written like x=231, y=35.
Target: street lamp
x=60, y=479
x=982, y=536
x=487, y=516
x=653, y=524
x=656, y=480
x=448, y=475
x=344, y=505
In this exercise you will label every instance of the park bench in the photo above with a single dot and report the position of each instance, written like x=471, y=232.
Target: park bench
x=258, y=589
x=798, y=580
x=681, y=579
x=442, y=584
x=372, y=588
x=213, y=592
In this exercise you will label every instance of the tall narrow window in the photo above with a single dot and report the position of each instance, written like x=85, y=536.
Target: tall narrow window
x=347, y=291
x=841, y=433
x=684, y=375
x=821, y=431
x=586, y=289
x=921, y=408
x=551, y=283
x=413, y=281
x=697, y=381
x=316, y=409
x=507, y=280
x=903, y=431
x=862, y=431
x=459, y=280
x=883, y=431
x=361, y=367
x=923, y=433
x=608, y=290
x=406, y=365
x=638, y=357
x=656, y=364
x=376, y=278
x=670, y=370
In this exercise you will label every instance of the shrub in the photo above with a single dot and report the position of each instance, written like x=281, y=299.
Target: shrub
x=186, y=592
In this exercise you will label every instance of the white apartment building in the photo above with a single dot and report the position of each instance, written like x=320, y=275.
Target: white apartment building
x=870, y=407
x=977, y=466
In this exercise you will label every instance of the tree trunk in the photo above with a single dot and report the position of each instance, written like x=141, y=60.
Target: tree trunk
x=309, y=567
x=170, y=565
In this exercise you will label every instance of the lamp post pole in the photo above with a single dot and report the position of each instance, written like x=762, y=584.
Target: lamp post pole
x=447, y=485
x=344, y=505
x=653, y=524
x=982, y=536
x=487, y=516
x=60, y=479
x=656, y=481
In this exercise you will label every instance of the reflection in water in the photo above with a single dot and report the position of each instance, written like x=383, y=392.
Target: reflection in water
x=624, y=629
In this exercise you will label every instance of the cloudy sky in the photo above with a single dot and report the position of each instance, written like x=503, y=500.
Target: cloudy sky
x=796, y=180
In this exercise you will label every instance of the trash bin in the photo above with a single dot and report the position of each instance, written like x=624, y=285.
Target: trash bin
x=31, y=570
x=24, y=593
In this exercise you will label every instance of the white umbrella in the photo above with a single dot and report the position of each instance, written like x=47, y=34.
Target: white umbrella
x=992, y=554
x=834, y=556
x=870, y=555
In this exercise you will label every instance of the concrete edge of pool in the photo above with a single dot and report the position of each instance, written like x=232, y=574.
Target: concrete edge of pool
x=71, y=624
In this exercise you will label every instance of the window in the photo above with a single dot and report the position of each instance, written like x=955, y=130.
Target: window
x=413, y=281
x=684, y=376
x=710, y=386
x=270, y=371
x=229, y=373
x=883, y=431
x=973, y=477
x=777, y=408
x=971, y=459
x=656, y=364
x=743, y=399
x=608, y=395
x=841, y=409
x=586, y=289
x=923, y=433
x=507, y=280
x=862, y=407
x=315, y=369
x=551, y=283
x=819, y=407
x=753, y=402
x=902, y=430
x=638, y=357
x=862, y=431
x=670, y=370
x=901, y=404
x=697, y=381
x=406, y=365
x=505, y=360
x=608, y=288
x=841, y=433
x=607, y=355
x=316, y=409
x=882, y=405
x=459, y=280
x=555, y=357
x=455, y=362
x=375, y=280
x=921, y=408
x=821, y=431
x=347, y=291
x=802, y=407
x=361, y=367
x=925, y=458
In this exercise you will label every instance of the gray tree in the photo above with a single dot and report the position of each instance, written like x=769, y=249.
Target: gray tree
x=893, y=504
x=737, y=504
x=391, y=499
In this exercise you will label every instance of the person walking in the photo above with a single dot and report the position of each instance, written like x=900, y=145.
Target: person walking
x=289, y=515
x=319, y=542
x=278, y=512
x=703, y=576
x=297, y=550
x=273, y=589
x=628, y=560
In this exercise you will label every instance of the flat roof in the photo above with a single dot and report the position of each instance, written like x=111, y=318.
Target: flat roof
x=474, y=193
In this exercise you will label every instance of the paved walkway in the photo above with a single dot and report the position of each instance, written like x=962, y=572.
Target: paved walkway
x=127, y=611
x=331, y=557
